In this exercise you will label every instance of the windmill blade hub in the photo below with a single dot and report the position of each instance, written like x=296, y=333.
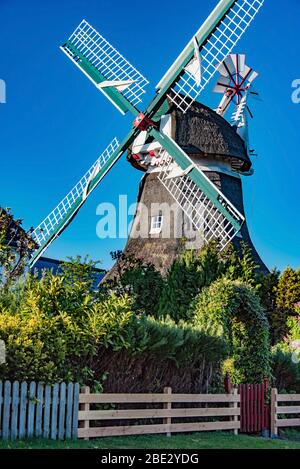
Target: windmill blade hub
x=234, y=82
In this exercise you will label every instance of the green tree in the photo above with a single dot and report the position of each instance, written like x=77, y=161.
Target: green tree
x=267, y=291
x=145, y=284
x=186, y=277
x=16, y=245
x=240, y=265
x=181, y=285
x=288, y=290
x=142, y=281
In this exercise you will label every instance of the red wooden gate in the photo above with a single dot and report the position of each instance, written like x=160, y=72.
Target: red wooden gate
x=255, y=411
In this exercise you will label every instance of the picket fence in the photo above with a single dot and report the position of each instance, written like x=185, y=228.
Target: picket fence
x=33, y=409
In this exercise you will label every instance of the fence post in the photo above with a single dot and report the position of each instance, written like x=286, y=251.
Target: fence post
x=227, y=384
x=265, y=409
x=85, y=407
x=274, y=429
x=168, y=406
x=235, y=406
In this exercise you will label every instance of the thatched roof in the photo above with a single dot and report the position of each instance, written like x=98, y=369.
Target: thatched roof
x=201, y=131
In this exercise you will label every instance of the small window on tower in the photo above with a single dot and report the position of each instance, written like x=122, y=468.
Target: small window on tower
x=156, y=224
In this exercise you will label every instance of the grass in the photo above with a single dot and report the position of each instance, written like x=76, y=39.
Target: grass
x=193, y=441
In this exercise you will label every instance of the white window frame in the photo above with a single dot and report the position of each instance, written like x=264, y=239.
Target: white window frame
x=156, y=224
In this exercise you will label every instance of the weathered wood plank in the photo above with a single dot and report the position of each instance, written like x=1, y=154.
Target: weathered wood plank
x=288, y=422
x=168, y=406
x=55, y=392
x=15, y=409
x=85, y=407
x=157, y=413
x=39, y=409
x=62, y=411
x=274, y=400
x=69, y=414
x=6, y=410
x=155, y=398
x=149, y=429
x=288, y=410
x=75, y=411
x=236, y=412
x=47, y=409
x=31, y=409
x=23, y=410
x=288, y=397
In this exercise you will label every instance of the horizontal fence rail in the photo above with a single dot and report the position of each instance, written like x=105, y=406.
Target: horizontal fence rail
x=37, y=410
x=219, y=411
x=285, y=411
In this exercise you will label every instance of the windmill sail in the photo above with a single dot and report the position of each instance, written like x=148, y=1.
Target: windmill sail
x=102, y=63
x=216, y=38
x=53, y=225
x=207, y=208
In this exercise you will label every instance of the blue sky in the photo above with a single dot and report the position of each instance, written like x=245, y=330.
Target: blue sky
x=55, y=123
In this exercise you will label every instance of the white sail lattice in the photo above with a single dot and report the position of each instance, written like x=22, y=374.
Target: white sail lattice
x=50, y=224
x=201, y=211
x=215, y=50
x=107, y=60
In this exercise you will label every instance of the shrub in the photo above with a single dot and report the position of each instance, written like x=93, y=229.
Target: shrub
x=163, y=353
x=55, y=347
x=233, y=310
x=285, y=371
x=56, y=329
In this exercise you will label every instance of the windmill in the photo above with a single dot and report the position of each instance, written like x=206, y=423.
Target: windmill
x=150, y=142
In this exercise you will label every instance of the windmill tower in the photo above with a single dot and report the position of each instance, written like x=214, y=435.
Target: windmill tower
x=162, y=229
x=192, y=157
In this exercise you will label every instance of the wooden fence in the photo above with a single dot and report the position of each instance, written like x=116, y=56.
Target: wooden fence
x=60, y=411
x=290, y=407
x=223, y=416
x=36, y=410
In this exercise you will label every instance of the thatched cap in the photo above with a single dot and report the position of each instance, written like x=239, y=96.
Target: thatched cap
x=201, y=131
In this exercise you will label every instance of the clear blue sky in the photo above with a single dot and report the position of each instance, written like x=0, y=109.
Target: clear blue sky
x=55, y=123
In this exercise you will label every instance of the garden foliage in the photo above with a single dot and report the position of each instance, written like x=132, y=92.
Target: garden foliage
x=232, y=310
x=142, y=332
x=58, y=329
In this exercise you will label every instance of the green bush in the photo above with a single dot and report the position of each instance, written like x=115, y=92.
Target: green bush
x=57, y=329
x=163, y=353
x=54, y=347
x=286, y=371
x=231, y=309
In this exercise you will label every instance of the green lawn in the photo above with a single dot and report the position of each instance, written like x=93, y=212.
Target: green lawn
x=192, y=441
